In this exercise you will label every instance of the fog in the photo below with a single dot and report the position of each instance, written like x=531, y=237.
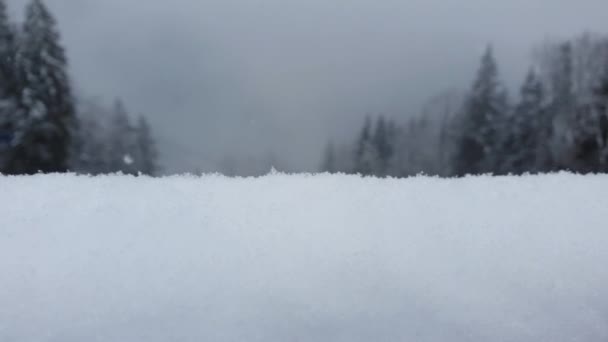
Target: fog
x=277, y=79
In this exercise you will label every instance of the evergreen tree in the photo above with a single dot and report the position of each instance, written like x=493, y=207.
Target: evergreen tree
x=148, y=154
x=9, y=89
x=416, y=151
x=382, y=143
x=590, y=141
x=48, y=121
x=9, y=86
x=329, y=163
x=393, y=135
x=365, y=153
x=109, y=143
x=522, y=145
x=483, y=117
x=559, y=119
x=90, y=152
x=601, y=133
x=123, y=151
x=445, y=145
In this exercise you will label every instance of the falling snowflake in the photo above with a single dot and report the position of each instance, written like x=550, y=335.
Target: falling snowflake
x=127, y=159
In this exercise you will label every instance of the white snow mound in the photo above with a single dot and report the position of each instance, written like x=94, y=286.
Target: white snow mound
x=303, y=258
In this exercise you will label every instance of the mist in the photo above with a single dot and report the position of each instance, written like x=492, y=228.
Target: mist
x=259, y=80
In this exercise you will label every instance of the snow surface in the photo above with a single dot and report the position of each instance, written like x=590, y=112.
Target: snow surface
x=303, y=258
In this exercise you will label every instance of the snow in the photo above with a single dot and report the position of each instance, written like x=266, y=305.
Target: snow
x=127, y=159
x=303, y=258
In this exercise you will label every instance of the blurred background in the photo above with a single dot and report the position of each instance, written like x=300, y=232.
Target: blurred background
x=389, y=88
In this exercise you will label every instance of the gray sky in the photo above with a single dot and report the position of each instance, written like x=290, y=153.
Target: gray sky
x=249, y=78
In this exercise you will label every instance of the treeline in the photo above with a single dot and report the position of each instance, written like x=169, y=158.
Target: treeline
x=558, y=122
x=43, y=127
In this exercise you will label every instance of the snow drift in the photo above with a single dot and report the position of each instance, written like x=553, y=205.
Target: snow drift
x=303, y=258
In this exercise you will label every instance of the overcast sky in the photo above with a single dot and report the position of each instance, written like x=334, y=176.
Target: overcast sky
x=250, y=78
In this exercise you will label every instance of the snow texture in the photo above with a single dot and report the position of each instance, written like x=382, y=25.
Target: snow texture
x=303, y=258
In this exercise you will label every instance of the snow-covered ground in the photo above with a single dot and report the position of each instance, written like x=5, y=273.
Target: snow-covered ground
x=303, y=258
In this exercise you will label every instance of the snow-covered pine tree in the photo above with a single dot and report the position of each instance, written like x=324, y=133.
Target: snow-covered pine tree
x=383, y=145
x=601, y=133
x=522, y=145
x=415, y=150
x=590, y=134
x=393, y=135
x=589, y=121
x=365, y=153
x=90, y=144
x=123, y=151
x=44, y=137
x=559, y=119
x=482, y=120
x=9, y=89
x=148, y=154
